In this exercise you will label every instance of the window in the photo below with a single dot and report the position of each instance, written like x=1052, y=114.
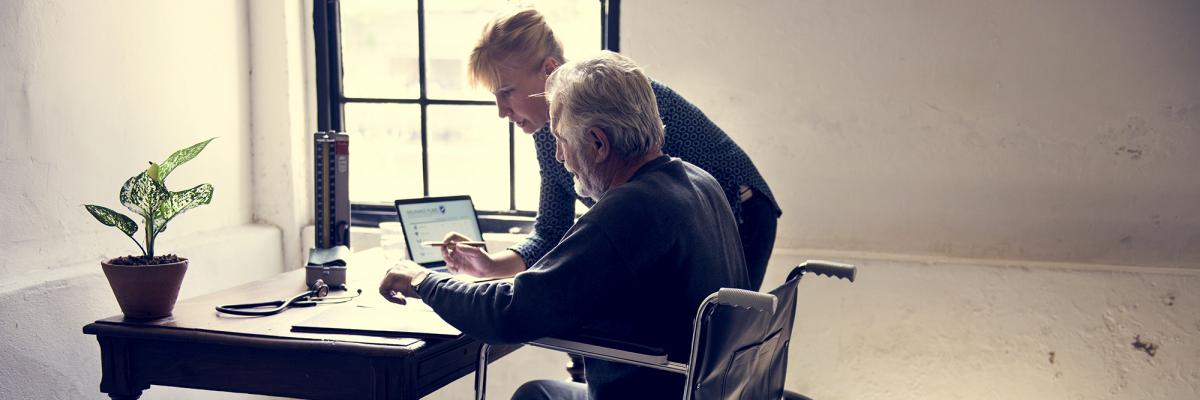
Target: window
x=393, y=76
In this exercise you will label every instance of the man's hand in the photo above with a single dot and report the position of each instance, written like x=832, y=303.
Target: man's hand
x=466, y=259
x=397, y=283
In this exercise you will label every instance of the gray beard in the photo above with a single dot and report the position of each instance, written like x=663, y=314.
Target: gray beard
x=587, y=183
x=586, y=188
x=583, y=190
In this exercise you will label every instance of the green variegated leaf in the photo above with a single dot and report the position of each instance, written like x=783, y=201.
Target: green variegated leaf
x=153, y=172
x=178, y=202
x=142, y=194
x=109, y=217
x=147, y=195
x=180, y=157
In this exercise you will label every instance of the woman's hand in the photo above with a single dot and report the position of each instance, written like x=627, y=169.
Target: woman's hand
x=466, y=258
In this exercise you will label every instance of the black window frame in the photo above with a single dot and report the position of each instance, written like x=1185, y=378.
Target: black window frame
x=331, y=103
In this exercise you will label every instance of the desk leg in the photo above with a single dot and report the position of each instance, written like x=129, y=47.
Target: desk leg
x=117, y=368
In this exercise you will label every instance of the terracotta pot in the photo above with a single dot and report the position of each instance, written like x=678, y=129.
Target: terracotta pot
x=146, y=291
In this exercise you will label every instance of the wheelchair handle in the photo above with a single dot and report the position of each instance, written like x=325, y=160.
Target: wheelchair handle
x=745, y=298
x=830, y=269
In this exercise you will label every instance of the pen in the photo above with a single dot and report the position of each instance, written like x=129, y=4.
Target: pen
x=440, y=244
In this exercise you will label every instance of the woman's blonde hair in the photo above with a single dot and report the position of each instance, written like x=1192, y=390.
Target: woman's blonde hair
x=518, y=39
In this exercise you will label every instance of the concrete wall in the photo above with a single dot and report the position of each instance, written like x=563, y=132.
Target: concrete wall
x=1061, y=130
x=91, y=91
x=952, y=149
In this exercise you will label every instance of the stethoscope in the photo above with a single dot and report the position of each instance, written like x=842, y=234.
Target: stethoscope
x=316, y=295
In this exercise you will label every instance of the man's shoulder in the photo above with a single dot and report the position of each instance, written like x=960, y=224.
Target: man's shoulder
x=666, y=183
x=628, y=198
x=684, y=173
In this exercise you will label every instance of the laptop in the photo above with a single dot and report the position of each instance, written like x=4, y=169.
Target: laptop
x=429, y=219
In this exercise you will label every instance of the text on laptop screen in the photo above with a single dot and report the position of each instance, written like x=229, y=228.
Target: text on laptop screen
x=430, y=222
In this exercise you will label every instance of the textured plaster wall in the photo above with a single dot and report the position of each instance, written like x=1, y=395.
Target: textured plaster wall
x=1063, y=130
x=940, y=136
x=927, y=328
x=282, y=80
x=91, y=91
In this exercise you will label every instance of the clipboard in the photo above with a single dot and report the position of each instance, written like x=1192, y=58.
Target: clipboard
x=397, y=321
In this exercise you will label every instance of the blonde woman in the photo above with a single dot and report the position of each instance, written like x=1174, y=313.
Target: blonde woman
x=512, y=59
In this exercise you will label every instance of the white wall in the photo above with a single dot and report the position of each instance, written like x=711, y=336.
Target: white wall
x=1013, y=178
x=1062, y=130
x=933, y=328
x=91, y=91
x=283, y=91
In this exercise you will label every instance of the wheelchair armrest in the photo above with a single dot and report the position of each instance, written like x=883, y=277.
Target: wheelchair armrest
x=605, y=349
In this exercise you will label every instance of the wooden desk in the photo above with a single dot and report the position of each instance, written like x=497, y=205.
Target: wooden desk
x=198, y=348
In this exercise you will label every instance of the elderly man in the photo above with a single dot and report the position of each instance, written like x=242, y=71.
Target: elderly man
x=513, y=57
x=660, y=238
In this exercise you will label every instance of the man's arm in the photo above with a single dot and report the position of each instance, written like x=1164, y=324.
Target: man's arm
x=557, y=295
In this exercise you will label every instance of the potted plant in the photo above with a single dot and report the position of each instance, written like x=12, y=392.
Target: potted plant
x=147, y=286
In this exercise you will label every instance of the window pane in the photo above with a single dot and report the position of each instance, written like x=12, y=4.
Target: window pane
x=453, y=27
x=575, y=23
x=528, y=183
x=379, y=49
x=529, y=179
x=385, y=152
x=468, y=154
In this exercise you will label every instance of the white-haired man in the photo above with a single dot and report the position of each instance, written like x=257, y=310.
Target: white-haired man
x=660, y=238
x=515, y=54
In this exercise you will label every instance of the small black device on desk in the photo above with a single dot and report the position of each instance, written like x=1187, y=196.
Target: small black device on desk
x=328, y=265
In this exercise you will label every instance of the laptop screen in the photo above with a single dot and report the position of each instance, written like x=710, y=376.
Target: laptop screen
x=429, y=219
